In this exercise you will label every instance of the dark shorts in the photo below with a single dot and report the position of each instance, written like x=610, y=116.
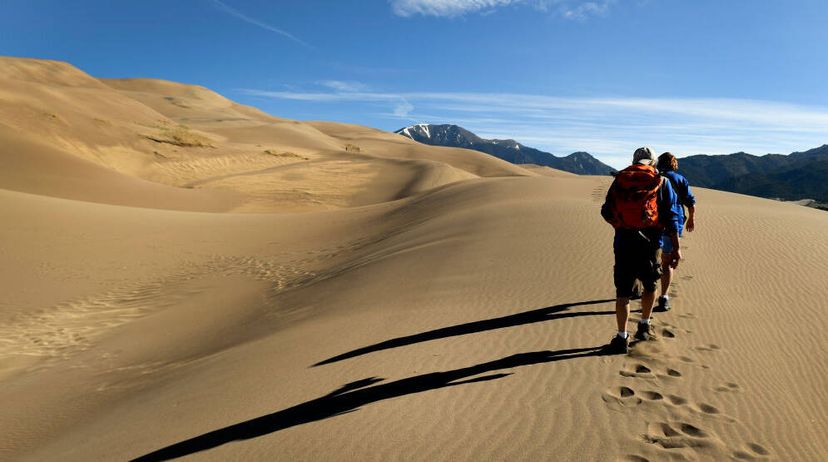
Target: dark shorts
x=637, y=256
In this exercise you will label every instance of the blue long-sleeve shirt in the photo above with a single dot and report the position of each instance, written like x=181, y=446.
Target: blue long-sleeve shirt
x=685, y=196
x=669, y=208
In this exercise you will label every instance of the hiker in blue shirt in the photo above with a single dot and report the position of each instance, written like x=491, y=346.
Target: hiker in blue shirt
x=667, y=166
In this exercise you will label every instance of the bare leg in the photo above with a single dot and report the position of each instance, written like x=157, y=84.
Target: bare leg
x=647, y=299
x=622, y=312
x=666, y=272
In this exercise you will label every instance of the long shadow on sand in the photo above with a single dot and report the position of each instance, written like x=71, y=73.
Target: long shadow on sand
x=352, y=396
x=527, y=317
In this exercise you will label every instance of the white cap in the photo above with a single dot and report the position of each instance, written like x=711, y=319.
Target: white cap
x=643, y=156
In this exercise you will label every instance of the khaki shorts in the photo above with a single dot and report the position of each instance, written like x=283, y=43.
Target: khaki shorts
x=637, y=256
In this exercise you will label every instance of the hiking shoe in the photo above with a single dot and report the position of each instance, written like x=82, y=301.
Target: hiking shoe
x=617, y=346
x=643, y=332
x=663, y=304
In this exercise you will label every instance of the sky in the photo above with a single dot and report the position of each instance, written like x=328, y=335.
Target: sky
x=602, y=76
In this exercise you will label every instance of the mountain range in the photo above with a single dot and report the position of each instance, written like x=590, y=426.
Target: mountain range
x=799, y=175
x=796, y=176
x=509, y=150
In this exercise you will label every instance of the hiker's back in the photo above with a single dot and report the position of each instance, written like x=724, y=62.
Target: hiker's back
x=681, y=187
x=632, y=201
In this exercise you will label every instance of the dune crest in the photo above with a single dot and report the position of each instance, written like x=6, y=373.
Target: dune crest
x=189, y=137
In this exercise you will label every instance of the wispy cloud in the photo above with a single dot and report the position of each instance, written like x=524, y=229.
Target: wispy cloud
x=610, y=127
x=447, y=8
x=569, y=9
x=583, y=10
x=342, y=90
x=403, y=109
x=234, y=12
x=343, y=85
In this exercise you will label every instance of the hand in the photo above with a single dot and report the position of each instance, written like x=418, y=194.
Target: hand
x=676, y=256
x=691, y=224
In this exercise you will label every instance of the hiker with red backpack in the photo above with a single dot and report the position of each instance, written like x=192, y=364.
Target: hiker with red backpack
x=667, y=165
x=641, y=206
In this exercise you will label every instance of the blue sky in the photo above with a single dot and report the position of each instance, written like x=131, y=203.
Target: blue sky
x=603, y=76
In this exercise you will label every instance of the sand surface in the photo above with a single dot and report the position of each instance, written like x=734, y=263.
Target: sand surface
x=183, y=276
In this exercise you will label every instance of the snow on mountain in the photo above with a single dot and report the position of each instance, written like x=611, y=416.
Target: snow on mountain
x=509, y=150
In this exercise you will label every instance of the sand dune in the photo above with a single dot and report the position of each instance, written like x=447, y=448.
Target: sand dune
x=427, y=304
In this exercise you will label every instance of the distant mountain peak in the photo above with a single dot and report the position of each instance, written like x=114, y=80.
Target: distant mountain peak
x=799, y=175
x=423, y=129
x=507, y=149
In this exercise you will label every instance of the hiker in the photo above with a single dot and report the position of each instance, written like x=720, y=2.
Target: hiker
x=667, y=166
x=641, y=206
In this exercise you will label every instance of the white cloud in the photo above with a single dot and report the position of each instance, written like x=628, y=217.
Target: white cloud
x=609, y=127
x=569, y=9
x=448, y=8
x=234, y=12
x=580, y=11
x=343, y=85
x=403, y=109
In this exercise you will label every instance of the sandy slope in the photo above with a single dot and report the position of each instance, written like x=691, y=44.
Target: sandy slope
x=428, y=304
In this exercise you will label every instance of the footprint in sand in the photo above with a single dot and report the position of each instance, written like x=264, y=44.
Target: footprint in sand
x=652, y=395
x=598, y=194
x=703, y=408
x=751, y=452
x=642, y=369
x=708, y=348
x=677, y=435
x=628, y=397
x=728, y=387
x=667, y=373
x=707, y=408
x=692, y=430
x=667, y=333
x=639, y=370
x=635, y=458
x=621, y=397
x=758, y=449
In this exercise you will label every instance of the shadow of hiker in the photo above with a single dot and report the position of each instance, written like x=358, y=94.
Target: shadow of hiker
x=527, y=317
x=352, y=396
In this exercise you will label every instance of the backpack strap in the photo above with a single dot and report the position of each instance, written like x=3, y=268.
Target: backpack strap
x=661, y=184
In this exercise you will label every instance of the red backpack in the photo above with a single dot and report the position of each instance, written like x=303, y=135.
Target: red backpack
x=632, y=201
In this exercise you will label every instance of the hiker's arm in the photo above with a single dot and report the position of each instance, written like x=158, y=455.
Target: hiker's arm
x=691, y=215
x=690, y=203
x=689, y=199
